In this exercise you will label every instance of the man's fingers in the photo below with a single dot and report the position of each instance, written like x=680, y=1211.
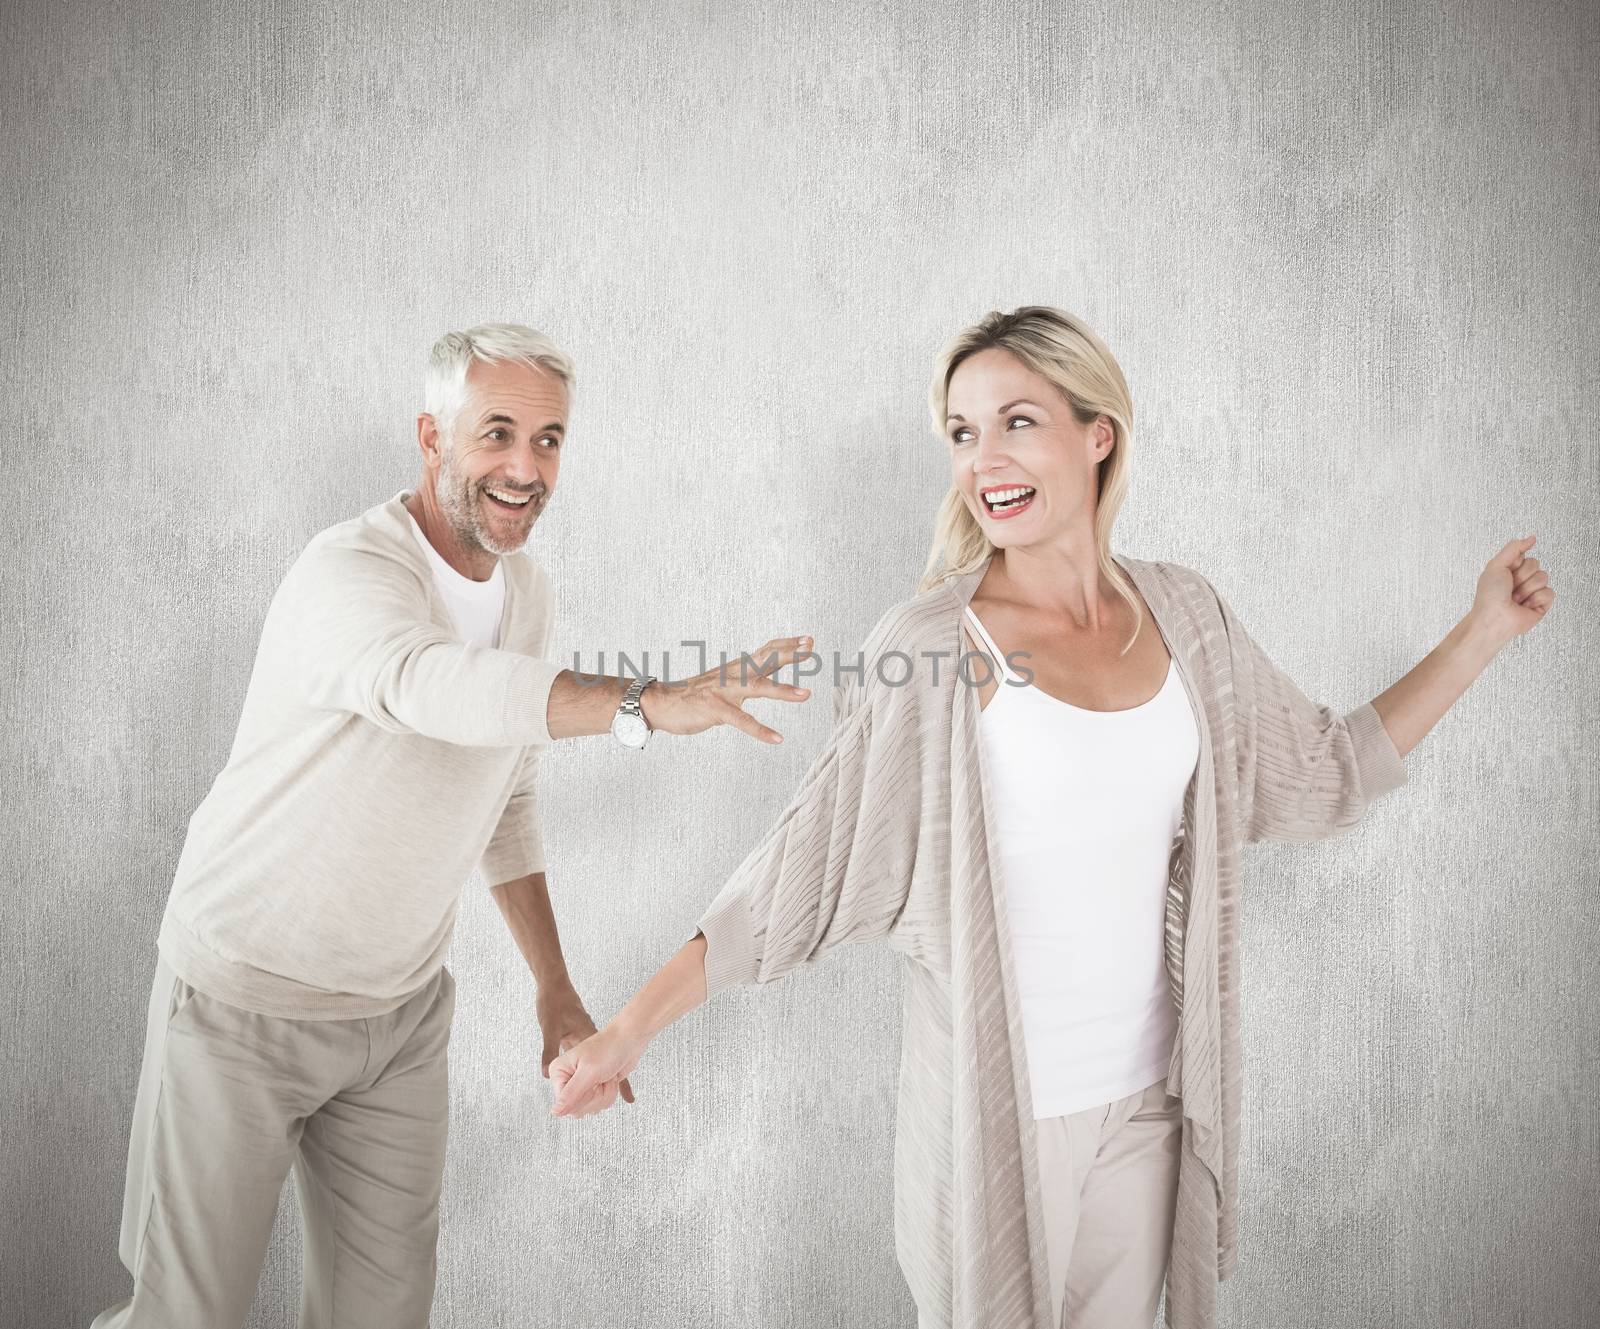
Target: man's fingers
x=777, y=653
x=766, y=688
x=740, y=718
x=745, y=669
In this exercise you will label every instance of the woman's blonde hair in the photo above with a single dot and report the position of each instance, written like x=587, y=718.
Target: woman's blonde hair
x=1065, y=350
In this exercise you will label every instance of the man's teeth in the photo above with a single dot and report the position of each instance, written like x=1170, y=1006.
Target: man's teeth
x=516, y=500
x=1003, y=498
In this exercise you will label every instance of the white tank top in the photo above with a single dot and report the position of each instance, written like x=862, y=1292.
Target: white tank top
x=1088, y=805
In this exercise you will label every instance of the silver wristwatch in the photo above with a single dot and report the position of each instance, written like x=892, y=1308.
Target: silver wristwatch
x=629, y=725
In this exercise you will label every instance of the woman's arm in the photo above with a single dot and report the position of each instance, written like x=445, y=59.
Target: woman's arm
x=836, y=868
x=1513, y=595
x=587, y=1077
x=1306, y=771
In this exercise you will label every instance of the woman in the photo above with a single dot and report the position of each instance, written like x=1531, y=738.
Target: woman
x=1054, y=851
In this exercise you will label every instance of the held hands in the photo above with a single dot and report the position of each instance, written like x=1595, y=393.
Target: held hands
x=1514, y=592
x=717, y=696
x=566, y=1026
x=588, y=1075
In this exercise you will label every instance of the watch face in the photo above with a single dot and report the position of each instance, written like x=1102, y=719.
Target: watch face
x=630, y=729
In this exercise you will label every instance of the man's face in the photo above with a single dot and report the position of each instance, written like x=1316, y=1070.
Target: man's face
x=497, y=465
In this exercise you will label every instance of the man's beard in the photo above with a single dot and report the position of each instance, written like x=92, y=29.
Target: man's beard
x=458, y=498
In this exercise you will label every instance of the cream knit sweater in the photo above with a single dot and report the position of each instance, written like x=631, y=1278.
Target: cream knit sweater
x=378, y=760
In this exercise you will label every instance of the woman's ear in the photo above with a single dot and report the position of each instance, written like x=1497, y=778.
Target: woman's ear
x=1105, y=436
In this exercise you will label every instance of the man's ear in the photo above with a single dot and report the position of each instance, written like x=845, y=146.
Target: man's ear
x=428, y=439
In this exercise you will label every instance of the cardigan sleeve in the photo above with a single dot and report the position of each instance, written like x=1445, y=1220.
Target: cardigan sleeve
x=836, y=867
x=1306, y=772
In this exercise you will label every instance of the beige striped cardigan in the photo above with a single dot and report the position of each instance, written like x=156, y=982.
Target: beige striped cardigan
x=892, y=836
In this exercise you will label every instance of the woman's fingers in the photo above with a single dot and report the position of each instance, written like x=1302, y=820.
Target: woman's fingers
x=602, y=1097
x=576, y=1078
x=1527, y=587
x=580, y=1091
x=1513, y=550
x=1530, y=589
x=574, y=1105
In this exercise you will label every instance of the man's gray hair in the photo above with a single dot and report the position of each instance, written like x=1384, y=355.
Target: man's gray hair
x=444, y=390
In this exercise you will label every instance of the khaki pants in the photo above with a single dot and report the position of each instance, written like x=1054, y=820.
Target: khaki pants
x=1108, y=1177
x=228, y=1101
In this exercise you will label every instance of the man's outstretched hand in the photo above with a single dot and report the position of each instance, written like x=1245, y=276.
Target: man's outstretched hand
x=717, y=696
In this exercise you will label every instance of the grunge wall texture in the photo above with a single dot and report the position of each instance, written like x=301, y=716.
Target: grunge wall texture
x=1347, y=255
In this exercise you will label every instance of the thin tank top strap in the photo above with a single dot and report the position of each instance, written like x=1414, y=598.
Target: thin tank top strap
x=995, y=653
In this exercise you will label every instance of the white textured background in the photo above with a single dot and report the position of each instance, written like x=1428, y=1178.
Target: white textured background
x=1347, y=256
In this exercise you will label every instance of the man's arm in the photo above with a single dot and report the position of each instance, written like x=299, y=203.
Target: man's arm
x=581, y=704
x=525, y=905
x=356, y=629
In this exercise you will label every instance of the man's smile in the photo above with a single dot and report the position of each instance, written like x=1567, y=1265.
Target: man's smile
x=509, y=499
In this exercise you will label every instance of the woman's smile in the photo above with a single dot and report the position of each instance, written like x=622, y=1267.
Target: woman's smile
x=1004, y=501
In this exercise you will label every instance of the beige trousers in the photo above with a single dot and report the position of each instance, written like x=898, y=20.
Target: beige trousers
x=1108, y=1178
x=228, y=1102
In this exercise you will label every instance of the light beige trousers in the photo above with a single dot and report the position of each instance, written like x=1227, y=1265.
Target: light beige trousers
x=1108, y=1180
x=228, y=1102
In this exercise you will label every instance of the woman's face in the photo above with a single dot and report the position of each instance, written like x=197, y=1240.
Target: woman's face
x=1024, y=465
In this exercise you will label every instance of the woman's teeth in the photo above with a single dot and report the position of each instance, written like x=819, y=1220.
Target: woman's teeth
x=509, y=499
x=1004, y=500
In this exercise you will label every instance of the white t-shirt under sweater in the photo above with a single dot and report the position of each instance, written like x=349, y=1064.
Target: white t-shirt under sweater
x=474, y=606
x=1087, y=806
x=379, y=758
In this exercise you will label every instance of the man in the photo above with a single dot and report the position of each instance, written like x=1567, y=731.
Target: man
x=387, y=745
